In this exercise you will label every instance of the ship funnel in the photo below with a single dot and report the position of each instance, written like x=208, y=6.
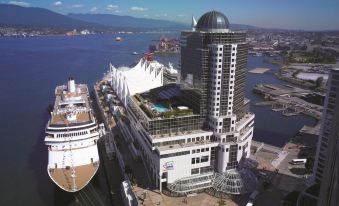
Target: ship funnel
x=71, y=85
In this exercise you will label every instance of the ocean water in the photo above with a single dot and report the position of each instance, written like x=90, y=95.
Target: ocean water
x=30, y=70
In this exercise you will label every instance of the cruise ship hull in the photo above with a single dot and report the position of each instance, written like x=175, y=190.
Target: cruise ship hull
x=71, y=136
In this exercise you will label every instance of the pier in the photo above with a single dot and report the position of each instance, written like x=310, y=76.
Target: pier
x=287, y=99
x=115, y=169
x=259, y=70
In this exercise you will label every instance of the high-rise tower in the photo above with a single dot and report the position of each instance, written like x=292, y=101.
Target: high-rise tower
x=326, y=169
x=213, y=61
x=194, y=135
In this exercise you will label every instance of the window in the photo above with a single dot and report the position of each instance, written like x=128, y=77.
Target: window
x=203, y=150
x=193, y=151
x=207, y=149
x=189, y=140
x=193, y=160
x=204, y=159
x=195, y=171
x=198, y=150
x=197, y=160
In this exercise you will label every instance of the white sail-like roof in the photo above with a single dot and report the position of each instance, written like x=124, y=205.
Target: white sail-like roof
x=142, y=77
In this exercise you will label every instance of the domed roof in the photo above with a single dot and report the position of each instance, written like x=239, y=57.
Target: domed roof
x=212, y=20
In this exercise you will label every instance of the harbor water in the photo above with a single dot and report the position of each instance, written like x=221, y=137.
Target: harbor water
x=30, y=70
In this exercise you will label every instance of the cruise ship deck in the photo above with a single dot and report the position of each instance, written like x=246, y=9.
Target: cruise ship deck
x=83, y=174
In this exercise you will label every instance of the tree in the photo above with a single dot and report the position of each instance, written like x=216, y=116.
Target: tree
x=309, y=164
x=221, y=202
x=319, y=81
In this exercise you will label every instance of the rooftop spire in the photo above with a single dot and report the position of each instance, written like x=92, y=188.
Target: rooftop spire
x=194, y=23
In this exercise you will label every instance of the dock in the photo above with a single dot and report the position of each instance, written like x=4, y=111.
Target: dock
x=119, y=184
x=259, y=70
x=287, y=99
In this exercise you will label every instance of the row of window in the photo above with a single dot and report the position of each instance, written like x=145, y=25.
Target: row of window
x=72, y=134
x=197, y=160
x=197, y=139
x=223, y=150
x=175, y=154
x=200, y=150
x=202, y=170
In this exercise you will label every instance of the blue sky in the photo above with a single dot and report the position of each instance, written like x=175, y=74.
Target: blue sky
x=288, y=14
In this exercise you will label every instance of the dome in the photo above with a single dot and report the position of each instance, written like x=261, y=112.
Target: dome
x=213, y=20
x=235, y=181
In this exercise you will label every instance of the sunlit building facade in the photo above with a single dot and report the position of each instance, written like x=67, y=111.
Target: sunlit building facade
x=196, y=134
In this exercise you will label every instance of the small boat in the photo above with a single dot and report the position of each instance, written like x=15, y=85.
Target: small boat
x=118, y=38
x=135, y=53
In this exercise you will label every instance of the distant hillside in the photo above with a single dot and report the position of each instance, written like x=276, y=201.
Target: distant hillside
x=12, y=15
x=243, y=27
x=128, y=21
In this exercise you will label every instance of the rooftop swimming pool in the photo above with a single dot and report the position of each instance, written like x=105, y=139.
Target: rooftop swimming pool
x=160, y=107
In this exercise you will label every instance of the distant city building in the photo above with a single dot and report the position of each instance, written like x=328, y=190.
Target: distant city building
x=326, y=169
x=166, y=45
x=197, y=134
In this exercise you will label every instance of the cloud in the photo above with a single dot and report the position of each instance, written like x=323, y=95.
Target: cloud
x=93, y=9
x=20, y=3
x=165, y=14
x=57, y=3
x=112, y=7
x=136, y=8
x=180, y=15
x=77, y=6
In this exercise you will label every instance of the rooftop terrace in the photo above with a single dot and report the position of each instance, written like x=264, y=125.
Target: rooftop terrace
x=163, y=102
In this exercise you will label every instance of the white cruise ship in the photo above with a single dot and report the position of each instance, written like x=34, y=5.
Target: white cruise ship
x=71, y=136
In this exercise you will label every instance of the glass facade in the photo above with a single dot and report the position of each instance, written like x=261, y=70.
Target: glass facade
x=196, y=61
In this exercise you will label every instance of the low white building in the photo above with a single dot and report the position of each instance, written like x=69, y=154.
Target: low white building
x=142, y=77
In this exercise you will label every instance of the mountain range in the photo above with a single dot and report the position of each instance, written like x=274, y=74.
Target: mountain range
x=13, y=15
